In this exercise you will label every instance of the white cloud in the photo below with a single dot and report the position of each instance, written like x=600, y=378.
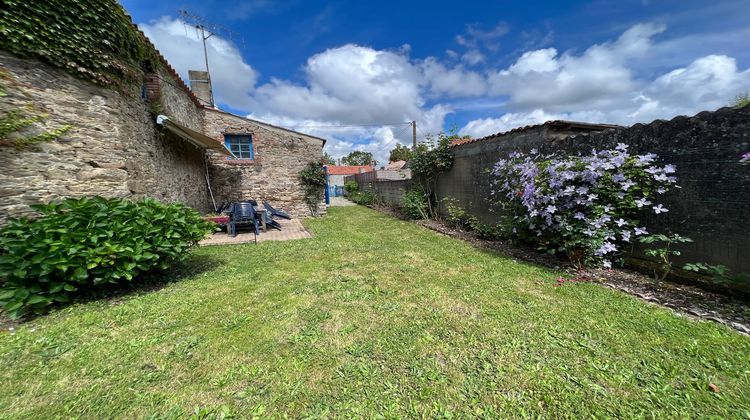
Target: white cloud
x=572, y=82
x=599, y=85
x=486, y=126
x=355, y=85
x=232, y=78
x=454, y=82
x=540, y=61
x=473, y=57
x=349, y=84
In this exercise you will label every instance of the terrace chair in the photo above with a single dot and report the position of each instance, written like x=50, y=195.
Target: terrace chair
x=270, y=222
x=273, y=212
x=243, y=213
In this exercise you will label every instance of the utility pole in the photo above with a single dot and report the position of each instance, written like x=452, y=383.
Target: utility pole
x=414, y=136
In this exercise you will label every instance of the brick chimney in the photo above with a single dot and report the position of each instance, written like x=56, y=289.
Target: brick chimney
x=200, y=84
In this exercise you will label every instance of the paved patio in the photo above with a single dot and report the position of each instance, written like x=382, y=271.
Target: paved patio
x=340, y=202
x=290, y=229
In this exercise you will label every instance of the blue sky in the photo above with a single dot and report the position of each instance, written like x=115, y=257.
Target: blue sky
x=482, y=67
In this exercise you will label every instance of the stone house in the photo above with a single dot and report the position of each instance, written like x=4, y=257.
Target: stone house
x=266, y=162
x=157, y=140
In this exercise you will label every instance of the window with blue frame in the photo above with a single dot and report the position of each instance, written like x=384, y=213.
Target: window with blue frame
x=240, y=146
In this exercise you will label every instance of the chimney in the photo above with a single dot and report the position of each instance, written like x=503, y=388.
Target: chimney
x=200, y=84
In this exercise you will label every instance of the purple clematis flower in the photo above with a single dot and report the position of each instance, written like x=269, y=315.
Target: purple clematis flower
x=642, y=202
x=658, y=209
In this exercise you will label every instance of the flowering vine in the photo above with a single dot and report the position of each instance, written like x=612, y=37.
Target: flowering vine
x=584, y=206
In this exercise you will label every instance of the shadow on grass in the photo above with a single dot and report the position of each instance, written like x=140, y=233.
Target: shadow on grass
x=143, y=284
x=154, y=280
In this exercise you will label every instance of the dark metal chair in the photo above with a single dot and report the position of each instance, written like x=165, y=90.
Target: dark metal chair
x=273, y=212
x=243, y=213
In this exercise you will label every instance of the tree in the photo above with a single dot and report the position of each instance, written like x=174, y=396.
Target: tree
x=328, y=159
x=431, y=158
x=400, y=152
x=359, y=157
x=741, y=100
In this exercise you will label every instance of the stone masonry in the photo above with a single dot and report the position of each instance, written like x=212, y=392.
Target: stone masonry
x=114, y=148
x=272, y=175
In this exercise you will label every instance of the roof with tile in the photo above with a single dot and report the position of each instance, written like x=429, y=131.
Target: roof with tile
x=555, y=124
x=349, y=170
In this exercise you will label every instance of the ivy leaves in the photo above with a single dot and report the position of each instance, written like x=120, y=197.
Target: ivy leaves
x=92, y=39
x=313, y=179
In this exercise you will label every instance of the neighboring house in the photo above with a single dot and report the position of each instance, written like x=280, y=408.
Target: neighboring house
x=336, y=175
x=456, y=142
x=395, y=166
x=158, y=139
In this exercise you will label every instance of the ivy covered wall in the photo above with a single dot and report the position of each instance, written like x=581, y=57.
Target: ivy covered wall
x=72, y=119
x=91, y=39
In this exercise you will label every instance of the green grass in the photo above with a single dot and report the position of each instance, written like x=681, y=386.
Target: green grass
x=371, y=316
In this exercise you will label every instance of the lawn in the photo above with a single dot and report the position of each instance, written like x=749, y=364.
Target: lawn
x=371, y=316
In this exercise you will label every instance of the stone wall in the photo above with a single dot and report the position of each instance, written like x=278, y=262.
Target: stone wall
x=114, y=148
x=712, y=206
x=272, y=175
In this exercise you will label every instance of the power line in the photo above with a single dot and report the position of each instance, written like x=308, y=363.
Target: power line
x=400, y=131
x=421, y=132
x=391, y=143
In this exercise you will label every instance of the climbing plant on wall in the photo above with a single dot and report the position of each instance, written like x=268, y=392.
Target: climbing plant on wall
x=92, y=39
x=313, y=179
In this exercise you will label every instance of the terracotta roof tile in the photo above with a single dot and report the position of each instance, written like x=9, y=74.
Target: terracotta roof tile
x=554, y=124
x=349, y=170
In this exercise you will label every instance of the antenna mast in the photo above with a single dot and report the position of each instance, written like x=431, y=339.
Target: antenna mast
x=207, y=30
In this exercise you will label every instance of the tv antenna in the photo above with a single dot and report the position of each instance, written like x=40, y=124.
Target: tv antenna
x=206, y=30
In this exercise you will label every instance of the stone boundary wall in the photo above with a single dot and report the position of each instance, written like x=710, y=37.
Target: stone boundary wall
x=712, y=206
x=114, y=148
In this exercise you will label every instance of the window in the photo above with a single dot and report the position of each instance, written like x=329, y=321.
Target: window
x=240, y=146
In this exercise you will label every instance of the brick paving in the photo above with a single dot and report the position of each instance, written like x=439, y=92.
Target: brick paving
x=290, y=230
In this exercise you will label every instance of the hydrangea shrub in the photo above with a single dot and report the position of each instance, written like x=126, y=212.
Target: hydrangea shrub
x=80, y=243
x=587, y=207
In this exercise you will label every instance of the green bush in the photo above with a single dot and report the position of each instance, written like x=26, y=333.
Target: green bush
x=351, y=187
x=415, y=203
x=78, y=244
x=364, y=198
x=459, y=218
x=313, y=178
